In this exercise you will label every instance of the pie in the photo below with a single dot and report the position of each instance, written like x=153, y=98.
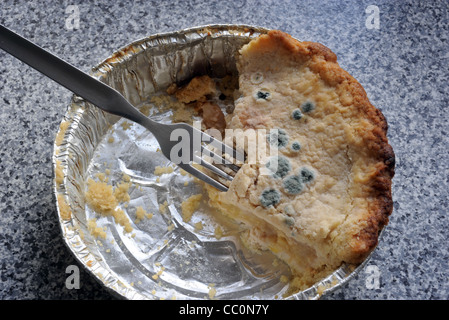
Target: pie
x=321, y=198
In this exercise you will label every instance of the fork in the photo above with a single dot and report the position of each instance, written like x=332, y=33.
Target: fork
x=191, y=143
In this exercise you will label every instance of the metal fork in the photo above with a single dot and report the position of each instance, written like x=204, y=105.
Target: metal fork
x=180, y=136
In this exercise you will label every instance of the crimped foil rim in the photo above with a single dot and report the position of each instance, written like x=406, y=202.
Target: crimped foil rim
x=75, y=244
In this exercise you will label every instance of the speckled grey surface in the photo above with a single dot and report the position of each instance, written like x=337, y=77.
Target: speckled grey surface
x=403, y=66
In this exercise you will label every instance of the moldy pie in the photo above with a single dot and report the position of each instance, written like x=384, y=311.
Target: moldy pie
x=330, y=195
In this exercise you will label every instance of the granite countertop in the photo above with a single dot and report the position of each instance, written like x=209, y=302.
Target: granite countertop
x=401, y=60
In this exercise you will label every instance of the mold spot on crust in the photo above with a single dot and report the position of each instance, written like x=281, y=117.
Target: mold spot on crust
x=278, y=138
x=293, y=184
x=297, y=114
x=270, y=197
x=262, y=95
x=279, y=165
x=296, y=146
x=307, y=107
x=307, y=175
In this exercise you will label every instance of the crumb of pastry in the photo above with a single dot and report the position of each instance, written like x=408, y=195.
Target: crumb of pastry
x=183, y=114
x=197, y=89
x=198, y=226
x=64, y=208
x=320, y=289
x=145, y=109
x=126, y=125
x=102, y=176
x=163, y=103
x=140, y=214
x=59, y=173
x=94, y=229
x=121, y=218
x=121, y=192
x=218, y=232
x=101, y=197
x=189, y=206
x=159, y=170
x=62, y=129
x=212, y=291
x=158, y=273
x=163, y=207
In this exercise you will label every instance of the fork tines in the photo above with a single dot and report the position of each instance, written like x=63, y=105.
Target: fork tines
x=219, y=158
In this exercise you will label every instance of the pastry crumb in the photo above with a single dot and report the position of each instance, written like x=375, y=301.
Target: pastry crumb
x=62, y=130
x=197, y=89
x=163, y=207
x=162, y=170
x=64, y=208
x=189, y=206
x=59, y=172
x=140, y=214
x=126, y=125
x=212, y=291
x=218, y=232
x=198, y=226
x=94, y=229
x=101, y=197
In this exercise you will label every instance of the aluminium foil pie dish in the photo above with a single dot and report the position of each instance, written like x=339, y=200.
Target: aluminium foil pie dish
x=146, y=248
